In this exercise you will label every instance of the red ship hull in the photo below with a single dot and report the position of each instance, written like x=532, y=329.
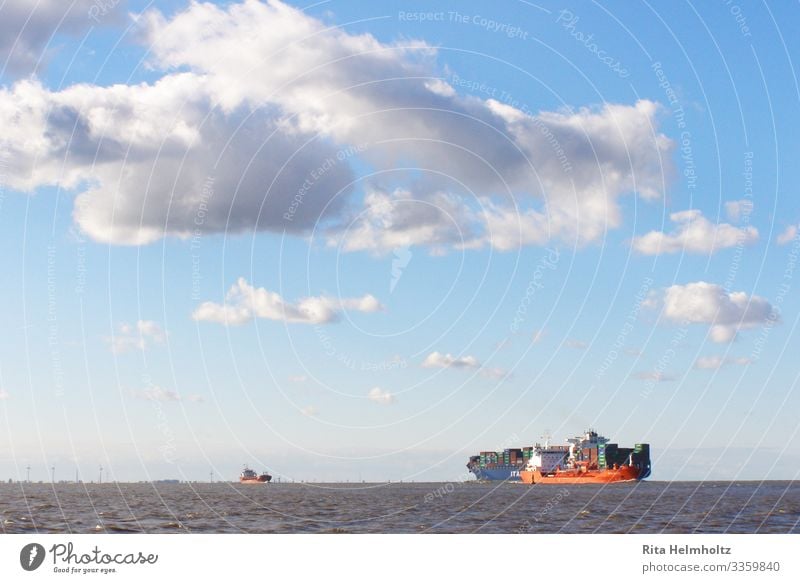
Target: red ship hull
x=262, y=479
x=622, y=474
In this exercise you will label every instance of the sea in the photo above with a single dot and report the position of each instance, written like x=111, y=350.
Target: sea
x=464, y=507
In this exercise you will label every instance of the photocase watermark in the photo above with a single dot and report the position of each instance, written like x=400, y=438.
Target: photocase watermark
x=73, y=562
x=317, y=173
x=627, y=328
x=404, y=16
x=168, y=449
x=445, y=489
x=32, y=556
x=740, y=18
x=659, y=371
x=687, y=153
x=80, y=265
x=52, y=324
x=511, y=31
x=349, y=361
x=206, y=193
x=4, y=157
x=401, y=257
x=687, y=156
x=80, y=250
x=783, y=290
x=543, y=510
x=746, y=211
x=569, y=22
x=548, y=262
x=671, y=95
x=508, y=99
x=94, y=561
x=100, y=9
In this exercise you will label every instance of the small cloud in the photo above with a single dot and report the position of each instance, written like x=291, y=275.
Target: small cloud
x=655, y=376
x=139, y=336
x=309, y=411
x=538, y=336
x=709, y=304
x=503, y=344
x=576, y=344
x=156, y=393
x=149, y=329
x=196, y=398
x=736, y=209
x=440, y=87
x=495, y=374
x=439, y=360
x=694, y=234
x=633, y=352
x=709, y=362
x=4, y=395
x=788, y=235
x=716, y=362
x=653, y=300
x=378, y=395
x=244, y=303
x=299, y=378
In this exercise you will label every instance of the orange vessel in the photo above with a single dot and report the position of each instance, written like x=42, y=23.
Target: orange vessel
x=589, y=459
x=248, y=476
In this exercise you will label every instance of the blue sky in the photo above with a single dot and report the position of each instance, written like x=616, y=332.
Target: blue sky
x=352, y=241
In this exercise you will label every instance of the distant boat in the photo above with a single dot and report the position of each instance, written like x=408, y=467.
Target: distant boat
x=248, y=476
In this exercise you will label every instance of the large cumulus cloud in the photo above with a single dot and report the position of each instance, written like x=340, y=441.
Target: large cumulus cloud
x=255, y=96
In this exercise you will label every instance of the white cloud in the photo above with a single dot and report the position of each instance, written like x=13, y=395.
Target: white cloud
x=576, y=344
x=156, y=393
x=140, y=336
x=29, y=31
x=694, y=234
x=254, y=117
x=538, y=336
x=503, y=344
x=4, y=395
x=707, y=303
x=736, y=209
x=788, y=235
x=715, y=362
x=439, y=360
x=244, y=303
x=297, y=378
x=495, y=373
x=654, y=376
x=309, y=411
x=378, y=395
x=633, y=352
x=390, y=221
x=709, y=362
x=162, y=395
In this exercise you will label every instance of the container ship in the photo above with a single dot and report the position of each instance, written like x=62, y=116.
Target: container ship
x=248, y=476
x=586, y=459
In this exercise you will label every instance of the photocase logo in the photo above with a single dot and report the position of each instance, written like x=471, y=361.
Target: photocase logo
x=31, y=556
x=402, y=257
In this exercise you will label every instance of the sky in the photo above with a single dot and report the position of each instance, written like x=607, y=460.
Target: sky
x=349, y=241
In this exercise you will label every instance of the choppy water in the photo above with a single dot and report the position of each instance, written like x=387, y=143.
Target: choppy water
x=735, y=507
